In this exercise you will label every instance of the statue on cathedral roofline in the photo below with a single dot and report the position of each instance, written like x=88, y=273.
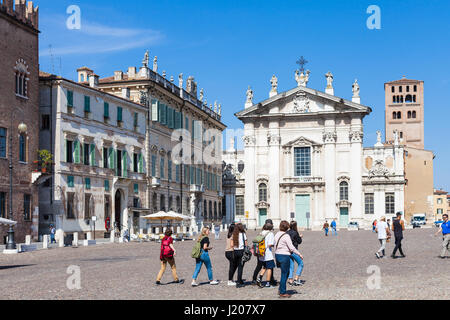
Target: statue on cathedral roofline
x=172, y=79
x=274, y=83
x=201, y=94
x=396, y=138
x=301, y=78
x=215, y=106
x=379, y=143
x=220, y=110
x=355, y=89
x=180, y=81
x=249, y=96
x=330, y=79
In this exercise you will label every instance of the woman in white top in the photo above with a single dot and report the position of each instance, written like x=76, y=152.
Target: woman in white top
x=382, y=229
x=239, y=243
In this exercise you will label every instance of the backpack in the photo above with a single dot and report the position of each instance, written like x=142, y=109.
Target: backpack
x=166, y=250
x=259, y=245
x=197, y=249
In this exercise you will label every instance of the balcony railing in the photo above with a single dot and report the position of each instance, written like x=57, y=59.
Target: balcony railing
x=304, y=180
x=197, y=188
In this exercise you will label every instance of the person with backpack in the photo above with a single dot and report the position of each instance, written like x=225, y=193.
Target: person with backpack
x=167, y=255
x=264, y=250
x=333, y=227
x=260, y=264
x=239, y=243
x=283, y=250
x=296, y=240
x=326, y=226
x=201, y=255
x=229, y=254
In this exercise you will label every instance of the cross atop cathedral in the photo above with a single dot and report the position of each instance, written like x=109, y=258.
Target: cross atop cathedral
x=301, y=62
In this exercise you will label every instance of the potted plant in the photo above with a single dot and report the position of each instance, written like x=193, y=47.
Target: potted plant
x=46, y=159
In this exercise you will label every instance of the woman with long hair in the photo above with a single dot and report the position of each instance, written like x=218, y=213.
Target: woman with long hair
x=204, y=258
x=229, y=254
x=167, y=255
x=239, y=243
x=296, y=240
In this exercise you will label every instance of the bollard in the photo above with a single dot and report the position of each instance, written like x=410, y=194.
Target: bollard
x=111, y=237
x=45, y=241
x=88, y=236
x=75, y=239
x=28, y=240
x=61, y=241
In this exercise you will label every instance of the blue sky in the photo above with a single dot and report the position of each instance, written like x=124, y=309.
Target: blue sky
x=228, y=45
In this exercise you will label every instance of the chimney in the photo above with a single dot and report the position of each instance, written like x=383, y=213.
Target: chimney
x=118, y=75
x=126, y=93
x=131, y=72
x=93, y=80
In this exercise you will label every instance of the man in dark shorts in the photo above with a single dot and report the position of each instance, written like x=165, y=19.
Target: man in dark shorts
x=398, y=226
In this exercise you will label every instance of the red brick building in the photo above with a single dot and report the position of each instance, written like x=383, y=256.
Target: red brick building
x=19, y=114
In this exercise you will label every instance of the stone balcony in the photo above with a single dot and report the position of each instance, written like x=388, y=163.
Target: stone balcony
x=197, y=188
x=303, y=181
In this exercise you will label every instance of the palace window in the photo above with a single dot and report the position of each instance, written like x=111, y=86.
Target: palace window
x=153, y=166
x=343, y=190
x=409, y=114
x=302, y=162
x=87, y=206
x=69, y=151
x=162, y=203
x=22, y=81
x=155, y=202
x=369, y=203
x=394, y=115
x=107, y=207
x=70, y=206
x=408, y=99
x=45, y=122
x=2, y=205
x=22, y=148
x=86, y=154
x=393, y=89
x=414, y=114
x=390, y=203
x=161, y=168
x=262, y=190
x=399, y=115
x=400, y=89
x=135, y=162
x=27, y=207
x=105, y=157
x=2, y=143
x=415, y=88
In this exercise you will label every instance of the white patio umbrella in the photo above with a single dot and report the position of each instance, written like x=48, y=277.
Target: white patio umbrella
x=7, y=222
x=169, y=216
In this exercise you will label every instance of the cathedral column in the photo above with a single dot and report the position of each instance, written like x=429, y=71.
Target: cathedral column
x=329, y=138
x=274, y=141
x=356, y=150
x=250, y=180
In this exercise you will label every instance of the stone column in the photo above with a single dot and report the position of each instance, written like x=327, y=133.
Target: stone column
x=275, y=210
x=45, y=241
x=111, y=236
x=329, y=138
x=27, y=240
x=88, y=236
x=61, y=241
x=250, y=179
x=356, y=161
x=75, y=239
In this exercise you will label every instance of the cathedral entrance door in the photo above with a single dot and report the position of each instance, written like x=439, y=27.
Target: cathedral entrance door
x=302, y=206
x=262, y=216
x=343, y=220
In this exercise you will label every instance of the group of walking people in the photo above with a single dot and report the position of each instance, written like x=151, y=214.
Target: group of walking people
x=272, y=250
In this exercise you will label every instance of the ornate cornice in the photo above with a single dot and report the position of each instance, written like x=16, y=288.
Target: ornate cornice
x=249, y=140
x=330, y=137
x=356, y=136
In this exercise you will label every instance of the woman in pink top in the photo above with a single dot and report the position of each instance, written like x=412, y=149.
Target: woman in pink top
x=283, y=250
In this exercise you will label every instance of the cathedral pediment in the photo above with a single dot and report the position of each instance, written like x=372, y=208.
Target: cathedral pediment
x=301, y=142
x=302, y=101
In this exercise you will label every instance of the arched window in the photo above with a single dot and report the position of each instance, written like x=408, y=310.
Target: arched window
x=262, y=192
x=22, y=148
x=171, y=203
x=155, y=202
x=343, y=190
x=414, y=114
x=399, y=115
x=394, y=115
x=205, y=209
x=409, y=114
x=21, y=74
x=408, y=98
x=401, y=99
x=414, y=98
x=210, y=210
x=162, y=205
x=415, y=88
x=393, y=98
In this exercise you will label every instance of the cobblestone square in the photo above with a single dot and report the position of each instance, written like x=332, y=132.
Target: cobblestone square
x=336, y=267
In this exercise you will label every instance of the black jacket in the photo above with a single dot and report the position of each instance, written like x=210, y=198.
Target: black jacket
x=295, y=237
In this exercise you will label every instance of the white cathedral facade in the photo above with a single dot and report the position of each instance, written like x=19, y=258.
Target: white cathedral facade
x=304, y=160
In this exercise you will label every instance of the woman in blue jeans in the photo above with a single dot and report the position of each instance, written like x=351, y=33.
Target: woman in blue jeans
x=283, y=250
x=204, y=259
x=296, y=239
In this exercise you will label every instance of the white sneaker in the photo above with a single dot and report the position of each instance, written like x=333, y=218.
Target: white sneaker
x=194, y=284
x=231, y=283
x=214, y=282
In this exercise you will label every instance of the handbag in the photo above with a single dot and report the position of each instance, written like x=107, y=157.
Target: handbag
x=247, y=255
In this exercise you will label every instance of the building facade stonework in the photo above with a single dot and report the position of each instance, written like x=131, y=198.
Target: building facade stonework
x=19, y=115
x=304, y=160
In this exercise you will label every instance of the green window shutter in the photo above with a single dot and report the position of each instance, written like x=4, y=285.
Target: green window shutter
x=166, y=114
x=124, y=164
x=141, y=163
x=177, y=120
x=106, y=110
x=92, y=152
x=161, y=168
x=111, y=158
x=119, y=114
x=115, y=163
x=106, y=185
x=136, y=118
x=87, y=104
x=88, y=183
x=159, y=112
x=186, y=123
x=70, y=181
x=136, y=188
x=77, y=151
x=169, y=117
x=70, y=98
x=153, y=166
x=155, y=110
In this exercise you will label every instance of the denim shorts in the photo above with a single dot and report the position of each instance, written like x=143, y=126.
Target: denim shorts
x=269, y=264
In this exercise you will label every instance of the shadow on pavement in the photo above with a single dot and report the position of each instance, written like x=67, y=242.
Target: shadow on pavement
x=16, y=266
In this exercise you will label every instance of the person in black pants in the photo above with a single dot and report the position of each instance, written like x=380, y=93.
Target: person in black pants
x=229, y=254
x=239, y=243
x=398, y=226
